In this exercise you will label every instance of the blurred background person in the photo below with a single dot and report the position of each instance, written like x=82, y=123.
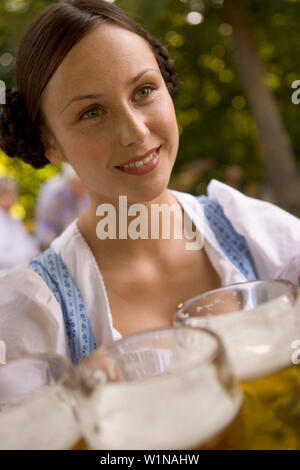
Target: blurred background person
x=61, y=199
x=17, y=247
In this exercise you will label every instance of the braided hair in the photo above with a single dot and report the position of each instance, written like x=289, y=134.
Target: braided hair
x=42, y=49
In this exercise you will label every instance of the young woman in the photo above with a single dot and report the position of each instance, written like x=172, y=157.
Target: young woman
x=96, y=90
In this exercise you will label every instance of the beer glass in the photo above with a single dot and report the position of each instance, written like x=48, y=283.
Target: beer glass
x=258, y=322
x=35, y=404
x=177, y=391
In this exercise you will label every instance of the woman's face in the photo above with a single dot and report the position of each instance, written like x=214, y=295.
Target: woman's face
x=107, y=103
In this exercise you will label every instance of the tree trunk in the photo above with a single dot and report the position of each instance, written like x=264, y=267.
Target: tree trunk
x=278, y=157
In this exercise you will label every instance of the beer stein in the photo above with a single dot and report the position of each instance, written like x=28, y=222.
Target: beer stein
x=258, y=322
x=36, y=404
x=177, y=391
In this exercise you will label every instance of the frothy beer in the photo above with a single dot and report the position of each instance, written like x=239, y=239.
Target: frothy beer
x=168, y=399
x=258, y=342
x=35, y=408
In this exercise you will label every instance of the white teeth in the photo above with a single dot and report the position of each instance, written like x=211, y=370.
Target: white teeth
x=141, y=162
x=147, y=159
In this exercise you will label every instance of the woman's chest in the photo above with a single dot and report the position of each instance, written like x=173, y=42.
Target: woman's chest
x=146, y=298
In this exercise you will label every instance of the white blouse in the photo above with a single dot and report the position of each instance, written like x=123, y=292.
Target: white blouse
x=30, y=317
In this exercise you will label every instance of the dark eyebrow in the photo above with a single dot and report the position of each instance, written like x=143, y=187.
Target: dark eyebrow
x=139, y=75
x=80, y=98
x=94, y=96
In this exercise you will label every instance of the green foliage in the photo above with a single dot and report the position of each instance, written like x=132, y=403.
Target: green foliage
x=29, y=180
x=214, y=118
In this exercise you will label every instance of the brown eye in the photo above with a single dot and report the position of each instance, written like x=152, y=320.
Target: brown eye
x=144, y=92
x=92, y=113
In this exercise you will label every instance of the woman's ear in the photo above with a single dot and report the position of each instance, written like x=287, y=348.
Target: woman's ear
x=54, y=154
x=52, y=148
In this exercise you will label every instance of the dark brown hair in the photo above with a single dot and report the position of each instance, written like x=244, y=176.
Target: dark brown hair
x=43, y=47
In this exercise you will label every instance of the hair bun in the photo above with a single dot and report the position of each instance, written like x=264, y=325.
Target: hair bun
x=19, y=137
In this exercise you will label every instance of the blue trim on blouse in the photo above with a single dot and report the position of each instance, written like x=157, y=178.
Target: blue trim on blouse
x=78, y=328
x=232, y=243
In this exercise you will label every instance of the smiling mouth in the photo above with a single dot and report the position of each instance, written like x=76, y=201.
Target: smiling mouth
x=142, y=166
x=140, y=162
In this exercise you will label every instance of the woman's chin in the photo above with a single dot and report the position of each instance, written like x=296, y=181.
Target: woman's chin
x=149, y=193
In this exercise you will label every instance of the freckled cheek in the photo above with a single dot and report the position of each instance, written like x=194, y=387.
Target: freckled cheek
x=166, y=124
x=78, y=148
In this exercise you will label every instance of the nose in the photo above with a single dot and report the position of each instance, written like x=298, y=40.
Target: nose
x=132, y=127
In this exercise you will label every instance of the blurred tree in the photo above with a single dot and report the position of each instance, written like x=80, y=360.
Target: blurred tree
x=278, y=157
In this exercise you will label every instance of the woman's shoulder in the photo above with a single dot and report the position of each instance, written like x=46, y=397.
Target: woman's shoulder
x=234, y=202
x=261, y=217
x=30, y=317
x=272, y=234
x=230, y=197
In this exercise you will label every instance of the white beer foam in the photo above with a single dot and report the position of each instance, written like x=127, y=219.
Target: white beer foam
x=44, y=422
x=176, y=411
x=258, y=341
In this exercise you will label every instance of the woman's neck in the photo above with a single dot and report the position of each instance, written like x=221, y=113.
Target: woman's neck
x=123, y=223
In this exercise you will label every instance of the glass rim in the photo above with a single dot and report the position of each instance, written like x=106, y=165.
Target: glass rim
x=217, y=352
x=292, y=290
x=68, y=369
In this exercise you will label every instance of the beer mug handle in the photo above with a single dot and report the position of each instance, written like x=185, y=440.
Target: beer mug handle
x=93, y=372
x=83, y=391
